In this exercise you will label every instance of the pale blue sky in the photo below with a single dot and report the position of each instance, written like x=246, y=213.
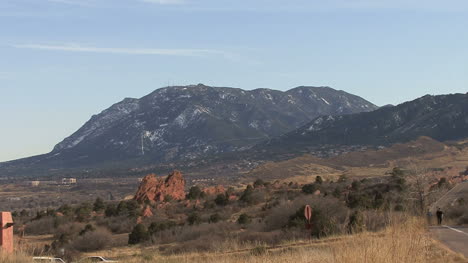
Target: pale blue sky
x=63, y=60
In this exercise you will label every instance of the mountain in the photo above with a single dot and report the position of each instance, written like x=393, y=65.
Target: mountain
x=187, y=122
x=443, y=118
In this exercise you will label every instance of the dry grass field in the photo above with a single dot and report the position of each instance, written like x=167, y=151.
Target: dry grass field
x=409, y=242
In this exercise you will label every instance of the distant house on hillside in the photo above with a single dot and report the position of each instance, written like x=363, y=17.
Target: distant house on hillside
x=35, y=183
x=68, y=181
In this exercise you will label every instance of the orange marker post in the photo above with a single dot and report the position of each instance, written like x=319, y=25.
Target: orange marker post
x=6, y=233
x=308, y=216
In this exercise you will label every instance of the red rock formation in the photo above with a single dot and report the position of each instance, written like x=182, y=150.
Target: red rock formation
x=155, y=188
x=161, y=205
x=214, y=190
x=147, y=212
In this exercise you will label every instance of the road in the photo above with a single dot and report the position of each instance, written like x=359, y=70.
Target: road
x=454, y=237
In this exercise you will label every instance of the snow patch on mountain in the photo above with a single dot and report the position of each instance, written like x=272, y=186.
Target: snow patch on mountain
x=324, y=100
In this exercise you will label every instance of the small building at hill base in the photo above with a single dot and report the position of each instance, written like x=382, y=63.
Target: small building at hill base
x=68, y=181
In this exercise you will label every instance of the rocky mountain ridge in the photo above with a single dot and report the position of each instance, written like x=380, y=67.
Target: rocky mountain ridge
x=442, y=117
x=189, y=122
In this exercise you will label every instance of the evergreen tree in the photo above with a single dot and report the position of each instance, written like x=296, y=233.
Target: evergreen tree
x=98, y=205
x=139, y=234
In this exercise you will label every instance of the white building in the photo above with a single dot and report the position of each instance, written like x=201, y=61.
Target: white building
x=68, y=181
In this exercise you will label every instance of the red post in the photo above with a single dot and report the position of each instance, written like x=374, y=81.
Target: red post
x=6, y=233
x=308, y=216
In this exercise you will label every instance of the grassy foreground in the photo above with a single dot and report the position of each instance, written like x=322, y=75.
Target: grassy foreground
x=407, y=242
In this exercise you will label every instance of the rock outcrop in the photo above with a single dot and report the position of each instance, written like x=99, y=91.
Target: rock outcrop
x=147, y=212
x=154, y=188
x=214, y=190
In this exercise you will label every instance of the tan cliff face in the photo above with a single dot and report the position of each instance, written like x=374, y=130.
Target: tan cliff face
x=154, y=188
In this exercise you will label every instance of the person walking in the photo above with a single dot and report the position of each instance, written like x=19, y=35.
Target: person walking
x=440, y=216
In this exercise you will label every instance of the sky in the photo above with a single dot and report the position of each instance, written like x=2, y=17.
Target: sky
x=61, y=61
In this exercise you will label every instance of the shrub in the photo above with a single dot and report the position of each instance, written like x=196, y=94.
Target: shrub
x=379, y=200
x=258, y=183
x=318, y=179
x=399, y=182
x=133, y=208
x=342, y=179
x=64, y=209
x=111, y=210
x=337, y=192
x=461, y=201
x=356, y=185
x=99, y=205
x=309, y=188
x=244, y=219
x=88, y=228
x=221, y=200
x=64, y=234
x=214, y=218
x=23, y=213
x=279, y=216
x=129, y=208
x=156, y=227
x=83, y=212
x=328, y=217
x=257, y=197
x=359, y=200
x=397, y=172
x=194, y=219
x=399, y=208
x=122, y=208
x=442, y=182
x=194, y=193
x=356, y=222
x=247, y=194
x=43, y=226
x=230, y=191
x=118, y=224
x=138, y=235
x=252, y=197
x=92, y=241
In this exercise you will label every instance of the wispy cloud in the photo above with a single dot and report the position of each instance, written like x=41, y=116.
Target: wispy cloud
x=131, y=51
x=164, y=2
